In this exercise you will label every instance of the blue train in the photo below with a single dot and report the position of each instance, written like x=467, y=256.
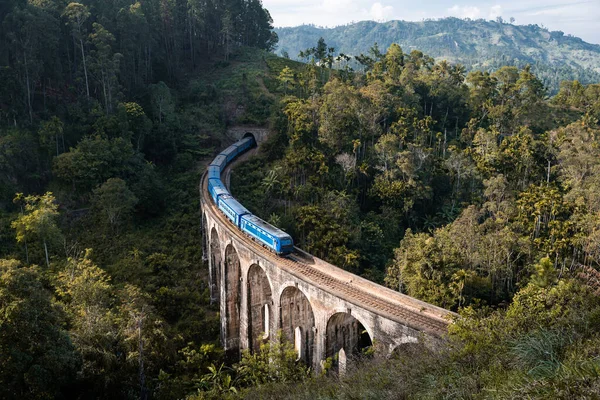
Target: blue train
x=266, y=234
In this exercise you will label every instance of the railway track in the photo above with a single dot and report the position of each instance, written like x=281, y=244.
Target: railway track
x=353, y=293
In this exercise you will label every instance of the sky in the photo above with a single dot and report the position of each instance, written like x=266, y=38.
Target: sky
x=576, y=17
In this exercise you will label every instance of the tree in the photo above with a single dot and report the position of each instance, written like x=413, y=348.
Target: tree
x=104, y=63
x=162, y=102
x=39, y=221
x=143, y=334
x=86, y=293
x=286, y=78
x=339, y=123
x=95, y=159
x=139, y=123
x=51, y=134
x=26, y=34
x=275, y=362
x=227, y=32
x=38, y=358
x=115, y=201
x=76, y=15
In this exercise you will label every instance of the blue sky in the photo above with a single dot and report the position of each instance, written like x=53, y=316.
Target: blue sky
x=576, y=17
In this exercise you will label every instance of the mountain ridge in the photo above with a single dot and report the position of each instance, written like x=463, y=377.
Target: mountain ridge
x=477, y=44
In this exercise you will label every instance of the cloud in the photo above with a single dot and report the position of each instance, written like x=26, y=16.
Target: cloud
x=333, y=6
x=465, y=12
x=495, y=11
x=380, y=12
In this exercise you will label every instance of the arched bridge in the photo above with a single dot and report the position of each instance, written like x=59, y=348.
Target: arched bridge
x=324, y=310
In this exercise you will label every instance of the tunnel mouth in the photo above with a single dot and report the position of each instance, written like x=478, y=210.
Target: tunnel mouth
x=250, y=134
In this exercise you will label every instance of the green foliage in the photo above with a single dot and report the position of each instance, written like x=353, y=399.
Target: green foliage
x=95, y=160
x=38, y=359
x=38, y=222
x=114, y=201
x=276, y=362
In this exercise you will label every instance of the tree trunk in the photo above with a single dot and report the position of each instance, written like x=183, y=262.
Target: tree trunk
x=87, y=85
x=143, y=394
x=46, y=251
x=28, y=88
x=104, y=91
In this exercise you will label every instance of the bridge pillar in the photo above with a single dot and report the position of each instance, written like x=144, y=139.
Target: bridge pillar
x=320, y=341
x=243, y=310
x=232, y=305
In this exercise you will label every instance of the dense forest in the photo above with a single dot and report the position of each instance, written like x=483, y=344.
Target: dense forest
x=108, y=113
x=477, y=44
x=473, y=191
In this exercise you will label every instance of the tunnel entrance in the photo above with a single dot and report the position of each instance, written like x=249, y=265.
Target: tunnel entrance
x=345, y=337
x=259, y=307
x=214, y=271
x=298, y=322
x=249, y=134
x=232, y=305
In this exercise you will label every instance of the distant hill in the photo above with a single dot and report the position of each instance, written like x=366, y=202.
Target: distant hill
x=477, y=44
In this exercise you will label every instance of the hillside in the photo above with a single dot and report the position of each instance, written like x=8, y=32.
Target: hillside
x=478, y=44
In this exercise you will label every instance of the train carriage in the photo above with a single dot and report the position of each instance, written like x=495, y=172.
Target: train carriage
x=220, y=161
x=245, y=144
x=230, y=153
x=232, y=208
x=272, y=237
x=214, y=172
x=216, y=189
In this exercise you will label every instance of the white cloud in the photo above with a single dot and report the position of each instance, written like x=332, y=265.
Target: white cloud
x=333, y=6
x=495, y=11
x=465, y=12
x=380, y=12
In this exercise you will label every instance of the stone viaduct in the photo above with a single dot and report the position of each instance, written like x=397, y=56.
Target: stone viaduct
x=324, y=310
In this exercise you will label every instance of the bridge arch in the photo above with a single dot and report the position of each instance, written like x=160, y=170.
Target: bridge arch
x=297, y=321
x=260, y=306
x=345, y=332
x=215, y=266
x=233, y=275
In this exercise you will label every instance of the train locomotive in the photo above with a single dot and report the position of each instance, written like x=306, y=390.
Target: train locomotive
x=261, y=231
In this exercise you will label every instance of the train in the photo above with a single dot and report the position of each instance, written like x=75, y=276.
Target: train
x=259, y=230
